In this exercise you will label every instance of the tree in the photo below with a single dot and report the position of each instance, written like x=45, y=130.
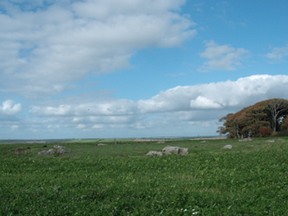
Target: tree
x=261, y=119
x=284, y=126
x=277, y=111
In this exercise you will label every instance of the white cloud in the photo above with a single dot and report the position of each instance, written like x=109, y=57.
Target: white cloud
x=182, y=107
x=204, y=103
x=61, y=110
x=46, y=46
x=221, y=57
x=220, y=95
x=278, y=53
x=81, y=126
x=15, y=127
x=108, y=108
x=9, y=107
x=97, y=126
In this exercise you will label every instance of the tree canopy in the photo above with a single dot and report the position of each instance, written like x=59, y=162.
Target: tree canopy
x=261, y=119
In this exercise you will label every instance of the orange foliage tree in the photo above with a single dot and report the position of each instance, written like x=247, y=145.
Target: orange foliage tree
x=261, y=119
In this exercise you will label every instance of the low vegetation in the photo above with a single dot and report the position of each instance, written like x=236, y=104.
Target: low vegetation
x=248, y=178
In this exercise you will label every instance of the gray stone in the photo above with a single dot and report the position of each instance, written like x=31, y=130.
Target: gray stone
x=228, y=147
x=154, y=154
x=169, y=150
x=56, y=150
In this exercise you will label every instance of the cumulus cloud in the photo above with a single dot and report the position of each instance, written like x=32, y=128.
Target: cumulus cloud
x=221, y=57
x=220, y=95
x=46, y=44
x=204, y=103
x=278, y=53
x=200, y=105
x=9, y=107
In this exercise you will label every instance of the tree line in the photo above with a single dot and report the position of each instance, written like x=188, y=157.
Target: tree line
x=265, y=118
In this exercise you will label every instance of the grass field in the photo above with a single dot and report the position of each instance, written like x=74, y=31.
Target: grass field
x=119, y=179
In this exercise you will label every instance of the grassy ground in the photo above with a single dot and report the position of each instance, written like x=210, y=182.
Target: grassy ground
x=118, y=179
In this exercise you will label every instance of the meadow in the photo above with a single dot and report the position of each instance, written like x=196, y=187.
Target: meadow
x=117, y=178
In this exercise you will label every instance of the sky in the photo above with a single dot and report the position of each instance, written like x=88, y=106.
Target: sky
x=136, y=68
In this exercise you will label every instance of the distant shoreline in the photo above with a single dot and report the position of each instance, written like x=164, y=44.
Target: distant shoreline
x=210, y=138
x=142, y=139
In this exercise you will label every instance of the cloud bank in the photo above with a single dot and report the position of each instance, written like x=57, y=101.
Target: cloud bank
x=188, y=107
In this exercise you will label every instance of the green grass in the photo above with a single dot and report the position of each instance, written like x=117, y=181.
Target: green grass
x=118, y=179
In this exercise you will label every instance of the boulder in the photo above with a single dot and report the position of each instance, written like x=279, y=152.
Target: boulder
x=228, y=147
x=56, y=150
x=154, y=154
x=169, y=150
x=183, y=151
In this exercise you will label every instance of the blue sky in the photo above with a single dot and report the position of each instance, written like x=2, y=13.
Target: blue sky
x=136, y=68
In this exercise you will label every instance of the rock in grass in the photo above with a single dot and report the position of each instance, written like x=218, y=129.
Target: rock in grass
x=183, y=151
x=101, y=144
x=168, y=150
x=56, y=150
x=154, y=154
x=270, y=141
x=228, y=147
